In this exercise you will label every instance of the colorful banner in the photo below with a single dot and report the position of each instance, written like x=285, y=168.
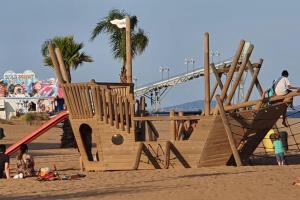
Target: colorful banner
x=27, y=85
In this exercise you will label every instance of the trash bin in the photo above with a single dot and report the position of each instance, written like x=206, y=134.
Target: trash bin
x=268, y=141
x=284, y=139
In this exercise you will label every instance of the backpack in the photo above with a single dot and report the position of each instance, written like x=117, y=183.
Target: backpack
x=271, y=91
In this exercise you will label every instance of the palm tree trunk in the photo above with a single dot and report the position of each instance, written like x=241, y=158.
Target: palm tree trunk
x=68, y=138
x=123, y=77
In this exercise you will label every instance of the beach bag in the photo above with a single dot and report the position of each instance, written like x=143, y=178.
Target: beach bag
x=47, y=174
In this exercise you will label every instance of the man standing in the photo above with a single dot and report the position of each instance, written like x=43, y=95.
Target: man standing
x=4, y=163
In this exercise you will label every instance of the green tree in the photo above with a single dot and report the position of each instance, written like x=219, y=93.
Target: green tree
x=70, y=53
x=117, y=37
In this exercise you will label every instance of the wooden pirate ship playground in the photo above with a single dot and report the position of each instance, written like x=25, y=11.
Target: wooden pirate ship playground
x=127, y=137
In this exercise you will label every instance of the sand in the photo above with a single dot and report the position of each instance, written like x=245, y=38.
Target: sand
x=249, y=182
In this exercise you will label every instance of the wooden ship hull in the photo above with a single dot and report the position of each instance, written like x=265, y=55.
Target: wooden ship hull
x=100, y=113
x=114, y=132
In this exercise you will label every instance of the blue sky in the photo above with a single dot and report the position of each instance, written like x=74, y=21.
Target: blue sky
x=175, y=29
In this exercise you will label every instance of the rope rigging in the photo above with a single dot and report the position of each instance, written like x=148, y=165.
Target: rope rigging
x=291, y=149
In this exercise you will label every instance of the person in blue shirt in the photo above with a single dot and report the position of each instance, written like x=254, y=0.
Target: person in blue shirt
x=279, y=150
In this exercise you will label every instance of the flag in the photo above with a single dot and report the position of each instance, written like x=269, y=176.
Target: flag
x=120, y=23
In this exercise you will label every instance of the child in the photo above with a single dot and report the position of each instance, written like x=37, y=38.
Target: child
x=279, y=151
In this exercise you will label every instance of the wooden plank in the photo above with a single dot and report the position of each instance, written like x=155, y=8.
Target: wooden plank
x=132, y=114
x=212, y=93
x=62, y=66
x=167, y=154
x=76, y=100
x=110, y=108
x=103, y=93
x=217, y=76
x=206, y=75
x=167, y=118
x=179, y=156
x=95, y=100
x=127, y=115
x=82, y=98
x=121, y=108
x=230, y=73
x=172, y=126
x=55, y=63
x=67, y=98
x=100, y=102
x=138, y=156
x=89, y=100
x=239, y=75
x=114, y=98
x=228, y=132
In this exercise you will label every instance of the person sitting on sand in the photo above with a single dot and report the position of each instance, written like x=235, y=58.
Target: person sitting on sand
x=279, y=150
x=4, y=163
x=25, y=163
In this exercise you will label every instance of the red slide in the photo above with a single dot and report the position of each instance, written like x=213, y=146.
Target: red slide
x=45, y=127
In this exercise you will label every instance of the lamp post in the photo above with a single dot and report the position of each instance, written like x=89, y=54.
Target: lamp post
x=186, y=62
x=192, y=60
x=214, y=53
x=164, y=69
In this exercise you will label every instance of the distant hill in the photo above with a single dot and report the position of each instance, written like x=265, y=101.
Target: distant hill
x=197, y=105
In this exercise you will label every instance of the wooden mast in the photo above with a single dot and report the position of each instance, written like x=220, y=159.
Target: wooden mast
x=128, y=51
x=55, y=63
x=239, y=75
x=206, y=74
x=230, y=73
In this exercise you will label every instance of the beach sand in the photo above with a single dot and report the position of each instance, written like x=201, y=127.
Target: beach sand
x=264, y=180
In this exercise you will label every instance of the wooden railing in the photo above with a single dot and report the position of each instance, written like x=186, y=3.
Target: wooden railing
x=111, y=103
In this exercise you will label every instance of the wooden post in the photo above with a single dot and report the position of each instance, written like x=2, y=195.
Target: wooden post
x=228, y=132
x=167, y=154
x=172, y=126
x=128, y=51
x=212, y=94
x=230, y=73
x=121, y=113
x=62, y=66
x=110, y=107
x=116, y=108
x=257, y=83
x=254, y=78
x=55, y=63
x=138, y=155
x=206, y=74
x=103, y=94
x=240, y=73
x=127, y=115
x=218, y=77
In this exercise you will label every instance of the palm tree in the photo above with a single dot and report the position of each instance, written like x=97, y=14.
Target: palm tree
x=70, y=52
x=118, y=39
x=72, y=58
